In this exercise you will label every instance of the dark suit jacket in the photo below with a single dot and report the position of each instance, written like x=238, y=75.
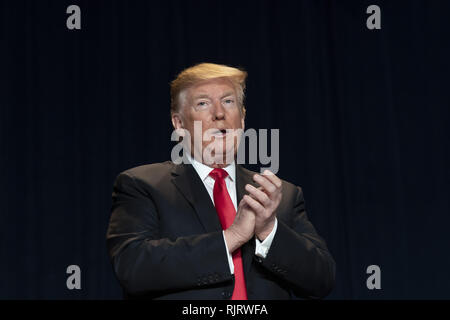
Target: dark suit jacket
x=165, y=241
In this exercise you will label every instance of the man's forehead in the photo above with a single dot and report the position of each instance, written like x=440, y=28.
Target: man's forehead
x=206, y=94
x=206, y=87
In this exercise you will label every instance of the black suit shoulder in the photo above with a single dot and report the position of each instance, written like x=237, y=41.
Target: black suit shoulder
x=148, y=181
x=151, y=173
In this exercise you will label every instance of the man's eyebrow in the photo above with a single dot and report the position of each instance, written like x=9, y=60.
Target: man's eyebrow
x=230, y=93
x=204, y=95
x=200, y=96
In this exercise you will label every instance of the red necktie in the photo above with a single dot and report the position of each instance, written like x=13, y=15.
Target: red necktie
x=226, y=212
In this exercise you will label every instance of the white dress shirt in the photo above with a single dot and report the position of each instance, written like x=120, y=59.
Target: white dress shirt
x=262, y=248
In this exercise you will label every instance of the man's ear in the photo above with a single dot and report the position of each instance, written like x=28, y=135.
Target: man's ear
x=176, y=121
x=243, y=122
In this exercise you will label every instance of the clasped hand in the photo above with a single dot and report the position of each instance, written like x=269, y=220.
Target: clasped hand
x=256, y=211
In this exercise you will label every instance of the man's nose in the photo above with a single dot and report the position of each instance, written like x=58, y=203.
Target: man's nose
x=218, y=110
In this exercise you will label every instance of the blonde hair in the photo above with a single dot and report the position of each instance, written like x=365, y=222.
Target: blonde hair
x=206, y=71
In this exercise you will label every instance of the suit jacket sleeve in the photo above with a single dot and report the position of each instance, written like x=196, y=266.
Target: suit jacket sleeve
x=145, y=262
x=298, y=255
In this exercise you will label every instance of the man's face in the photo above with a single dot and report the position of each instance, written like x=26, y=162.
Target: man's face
x=214, y=105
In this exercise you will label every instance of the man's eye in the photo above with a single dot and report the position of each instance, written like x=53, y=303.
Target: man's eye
x=229, y=101
x=202, y=104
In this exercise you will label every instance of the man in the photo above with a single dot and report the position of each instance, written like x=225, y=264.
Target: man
x=210, y=229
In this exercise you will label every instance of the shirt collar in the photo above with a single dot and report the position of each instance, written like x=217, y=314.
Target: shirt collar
x=203, y=170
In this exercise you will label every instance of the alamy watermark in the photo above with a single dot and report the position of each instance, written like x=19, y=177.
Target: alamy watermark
x=222, y=146
x=374, y=280
x=74, y=279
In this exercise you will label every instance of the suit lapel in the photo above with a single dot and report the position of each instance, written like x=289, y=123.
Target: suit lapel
x=192, y=188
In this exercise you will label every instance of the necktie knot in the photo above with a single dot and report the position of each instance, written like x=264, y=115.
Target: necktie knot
x=218, y=174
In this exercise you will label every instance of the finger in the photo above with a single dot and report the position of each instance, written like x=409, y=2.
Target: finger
x=265, y=183
x=255, y=205
x=243, y=203
x=258, y=194
x=272, y=177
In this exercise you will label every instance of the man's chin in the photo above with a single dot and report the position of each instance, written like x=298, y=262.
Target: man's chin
x=219, y=161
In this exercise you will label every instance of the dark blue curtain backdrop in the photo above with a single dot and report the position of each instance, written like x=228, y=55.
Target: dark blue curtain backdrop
x=363, y=118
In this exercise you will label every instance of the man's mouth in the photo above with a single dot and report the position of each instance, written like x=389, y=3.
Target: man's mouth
x=219, y=133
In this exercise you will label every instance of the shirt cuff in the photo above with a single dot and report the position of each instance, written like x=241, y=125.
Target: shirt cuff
x=230, y=257
x=262, y=248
